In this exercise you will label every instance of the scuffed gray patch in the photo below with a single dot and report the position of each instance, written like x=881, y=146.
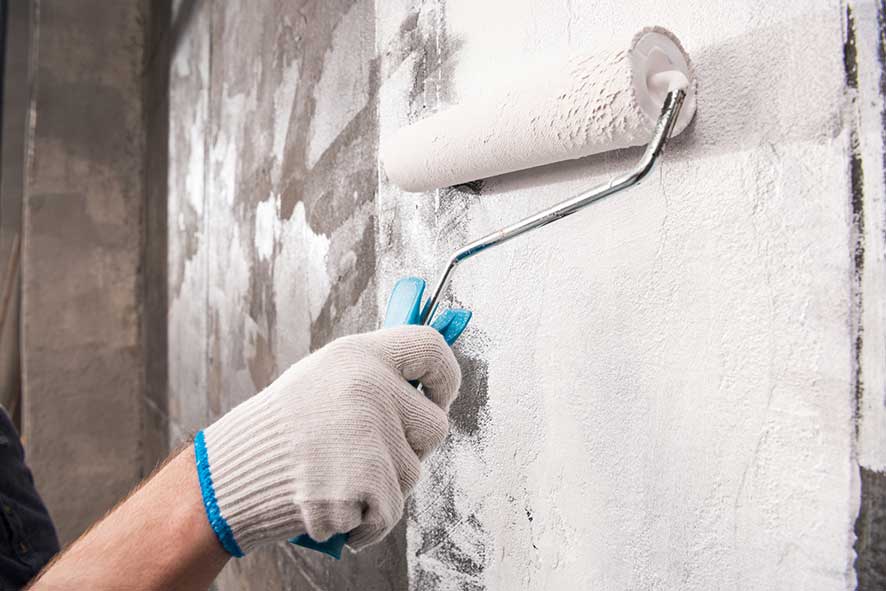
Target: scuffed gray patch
x=434, y=64
x=850, y=51
x=856, y=203
x=870, y=532
x=468, y=410
x=439, y=540
x=452, y=544
x=347, y=289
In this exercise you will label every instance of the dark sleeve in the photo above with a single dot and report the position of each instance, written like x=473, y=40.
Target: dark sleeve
x=27, y=537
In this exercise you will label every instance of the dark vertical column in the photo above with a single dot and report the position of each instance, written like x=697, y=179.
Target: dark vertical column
x=82, y=343
x=3, y=26
x=155, y=416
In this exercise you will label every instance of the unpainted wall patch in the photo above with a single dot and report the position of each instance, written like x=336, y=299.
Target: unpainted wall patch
x=434, y=61
x=870, y=532
x=466, y=414
x=856, y=196
x=850, y=51
x=439, y=541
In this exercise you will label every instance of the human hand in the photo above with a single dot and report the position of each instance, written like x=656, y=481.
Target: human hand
x=333, y=445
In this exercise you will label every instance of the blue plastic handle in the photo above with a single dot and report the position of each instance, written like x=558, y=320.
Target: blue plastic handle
x=404, y=307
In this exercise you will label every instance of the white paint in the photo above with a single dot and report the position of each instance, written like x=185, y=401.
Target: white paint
x=188, y=113
x=549, y=111
x=267, y=226
x=229, y=248
x=301, y=284
x=343, y=89
x=669, y=373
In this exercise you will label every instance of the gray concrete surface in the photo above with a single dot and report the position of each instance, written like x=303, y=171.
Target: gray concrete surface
x=870, y=529
x=155, y=93
x=84, y=234
x=272, y=183
x=15, y=104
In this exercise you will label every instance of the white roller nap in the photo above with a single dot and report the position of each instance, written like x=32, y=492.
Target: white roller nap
x=592, y=103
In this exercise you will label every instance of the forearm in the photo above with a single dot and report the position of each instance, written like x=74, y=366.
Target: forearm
x=159, y=538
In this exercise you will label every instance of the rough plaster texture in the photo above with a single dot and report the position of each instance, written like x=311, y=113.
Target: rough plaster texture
x=667, y=391
x=664, y=388
x=271, y=201
x=83, y=190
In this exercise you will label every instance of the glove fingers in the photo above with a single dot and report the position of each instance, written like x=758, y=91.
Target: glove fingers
x=406, y=462
x=425, y=424
x=323, y=519
x=420, y=353
x=381, y=514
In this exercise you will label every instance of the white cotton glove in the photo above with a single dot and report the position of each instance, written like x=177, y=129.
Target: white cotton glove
x=333, y=445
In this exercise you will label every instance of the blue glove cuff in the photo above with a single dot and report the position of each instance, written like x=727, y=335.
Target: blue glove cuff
x=213, y=513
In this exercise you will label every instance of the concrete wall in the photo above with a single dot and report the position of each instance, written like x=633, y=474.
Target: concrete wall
x=272, y=186
x=83, y=355
x=680, y=388
x=669, y=380
x=665, y=386
x=159, y=38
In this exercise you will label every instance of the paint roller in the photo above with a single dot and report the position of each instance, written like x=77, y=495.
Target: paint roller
x=638, y=93
x=595, y=103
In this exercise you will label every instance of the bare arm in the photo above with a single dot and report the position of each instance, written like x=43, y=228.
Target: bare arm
x=159, y=538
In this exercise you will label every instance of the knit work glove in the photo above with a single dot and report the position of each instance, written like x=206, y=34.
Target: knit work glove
x=333, y=445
